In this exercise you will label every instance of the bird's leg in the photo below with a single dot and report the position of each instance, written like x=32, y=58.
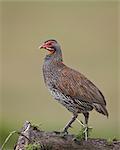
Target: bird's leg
x=69, y=123
x=86, y=115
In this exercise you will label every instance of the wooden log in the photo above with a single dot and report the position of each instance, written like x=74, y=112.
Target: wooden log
x=32, y=138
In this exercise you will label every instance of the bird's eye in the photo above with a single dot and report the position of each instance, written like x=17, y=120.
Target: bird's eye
x=49, y=44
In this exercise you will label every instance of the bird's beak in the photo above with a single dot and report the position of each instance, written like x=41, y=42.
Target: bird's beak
x=42, y=46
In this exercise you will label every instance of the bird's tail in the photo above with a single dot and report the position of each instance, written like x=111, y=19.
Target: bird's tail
x=101, y=109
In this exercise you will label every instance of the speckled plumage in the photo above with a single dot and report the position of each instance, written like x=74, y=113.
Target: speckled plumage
x=69, y=87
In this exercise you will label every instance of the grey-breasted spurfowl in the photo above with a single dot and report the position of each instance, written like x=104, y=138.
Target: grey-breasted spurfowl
x=69, y=87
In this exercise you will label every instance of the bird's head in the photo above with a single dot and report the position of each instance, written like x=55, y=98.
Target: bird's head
x=51, y=45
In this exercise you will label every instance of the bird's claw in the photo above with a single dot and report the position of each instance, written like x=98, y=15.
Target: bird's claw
x=65, y=132
x=62, y=134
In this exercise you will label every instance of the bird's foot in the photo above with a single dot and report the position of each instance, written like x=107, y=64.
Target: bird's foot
x=57, y=132
x=61, y=133
x=65, y=132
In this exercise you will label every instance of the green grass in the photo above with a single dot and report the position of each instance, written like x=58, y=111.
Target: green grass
x=5, y=131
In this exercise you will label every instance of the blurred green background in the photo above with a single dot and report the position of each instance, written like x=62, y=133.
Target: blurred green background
x=88, y=34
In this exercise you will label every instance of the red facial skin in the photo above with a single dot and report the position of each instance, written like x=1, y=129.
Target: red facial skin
x=48, y=46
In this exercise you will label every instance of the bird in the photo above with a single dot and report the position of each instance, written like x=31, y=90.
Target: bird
x=70, y=87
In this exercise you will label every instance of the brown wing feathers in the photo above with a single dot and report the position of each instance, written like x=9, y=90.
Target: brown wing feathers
x=77, y=86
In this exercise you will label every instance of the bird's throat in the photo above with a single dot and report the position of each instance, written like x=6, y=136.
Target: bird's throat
x=51, y=52
x=53, y=56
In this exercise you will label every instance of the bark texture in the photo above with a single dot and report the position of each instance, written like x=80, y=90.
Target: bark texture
x=32, y=138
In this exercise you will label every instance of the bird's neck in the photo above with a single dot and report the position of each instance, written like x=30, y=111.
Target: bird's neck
x=56, y=57
x=53, y=62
